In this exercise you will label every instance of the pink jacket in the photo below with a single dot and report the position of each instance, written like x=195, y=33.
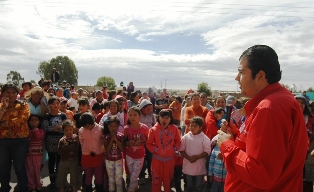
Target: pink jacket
x=91, y=140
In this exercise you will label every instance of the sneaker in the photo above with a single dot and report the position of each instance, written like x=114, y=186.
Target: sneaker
x=141, y=181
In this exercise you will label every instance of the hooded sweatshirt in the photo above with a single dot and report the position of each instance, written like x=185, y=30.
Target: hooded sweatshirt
x=163, y=142
x=148, y=119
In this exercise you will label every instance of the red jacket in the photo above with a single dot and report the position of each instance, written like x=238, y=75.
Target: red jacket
x=269, y=154
x=211, y=125
x=163, y=143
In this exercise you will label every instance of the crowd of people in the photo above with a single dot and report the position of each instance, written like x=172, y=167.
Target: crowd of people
x=164, y=138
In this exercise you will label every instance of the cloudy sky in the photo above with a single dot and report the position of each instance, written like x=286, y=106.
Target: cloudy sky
x=157, y=42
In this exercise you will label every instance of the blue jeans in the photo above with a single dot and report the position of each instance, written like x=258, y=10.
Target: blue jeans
x=13, y=150
x=217, y=186
x=194, y=182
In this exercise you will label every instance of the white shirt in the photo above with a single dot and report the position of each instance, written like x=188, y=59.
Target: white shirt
x=73, y=103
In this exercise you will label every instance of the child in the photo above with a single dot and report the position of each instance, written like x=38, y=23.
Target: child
x=219, y=114
x=35, y=152
x=216, y=170
x=144, y=96
x=68, y=150
x=90, y=135
x=72, y=102
x=148, y=118
x=195, y=147
x=53, y=129
x=135, y=134
x=122, y=109
x=96, y=109
x=113, y=110
x=83, y=106
x=26, y=86
x=104, y=108
x=114, y=145
x=163, y=139
x=63, y=108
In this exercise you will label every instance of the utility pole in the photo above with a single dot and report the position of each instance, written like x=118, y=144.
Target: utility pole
x=165, y=83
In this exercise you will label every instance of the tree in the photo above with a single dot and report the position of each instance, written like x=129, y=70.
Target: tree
x=287, y=87
x=106, y=81
x=310, y=89
x=203, y=87
x=14, y=77
x=33, y=81
x=65, y=67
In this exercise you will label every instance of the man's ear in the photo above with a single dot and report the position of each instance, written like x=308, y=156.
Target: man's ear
x=261, y=75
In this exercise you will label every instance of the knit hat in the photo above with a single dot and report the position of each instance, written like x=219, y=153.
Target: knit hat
x=143, y=103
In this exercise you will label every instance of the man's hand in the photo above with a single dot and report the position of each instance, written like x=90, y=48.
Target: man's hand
x=223, y=137
x=225, y=127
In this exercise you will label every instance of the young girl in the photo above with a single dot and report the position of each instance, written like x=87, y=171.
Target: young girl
x=90, y=135
x=114, y=145
x=135, y=134
x=113, y=110
x=53, y=129
x=163, y=140
x=195, y=147
x=35, y=152
x=104, y=109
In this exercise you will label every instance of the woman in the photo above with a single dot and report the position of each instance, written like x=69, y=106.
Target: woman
x=309, y=163
x=176, y=106
x=196, y=109
x=134, y=98
x=211, y=121
x=34, y=100
x=13, y=137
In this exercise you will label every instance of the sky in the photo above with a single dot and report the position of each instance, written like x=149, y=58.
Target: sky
x=161, y=43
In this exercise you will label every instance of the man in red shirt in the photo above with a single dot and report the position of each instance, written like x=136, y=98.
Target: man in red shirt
x=269, y=150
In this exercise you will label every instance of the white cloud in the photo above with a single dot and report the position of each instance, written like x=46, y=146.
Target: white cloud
x=145, y=40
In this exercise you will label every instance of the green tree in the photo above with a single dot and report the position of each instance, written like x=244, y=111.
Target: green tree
x=203, y=87
x=286, y=86
x=310, y=89
x=65, y=67
x=106, y=81
x=33, y=81
x=14, y=77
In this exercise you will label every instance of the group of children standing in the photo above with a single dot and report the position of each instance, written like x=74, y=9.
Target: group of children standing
x=105, y=151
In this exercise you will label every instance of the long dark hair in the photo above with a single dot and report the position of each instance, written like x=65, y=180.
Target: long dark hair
x=109, y=120
x=34, y=115
x=136, y=109
x=166, y=112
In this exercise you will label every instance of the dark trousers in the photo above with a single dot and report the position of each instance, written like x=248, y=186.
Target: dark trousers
x=13, y=150
x=53, y=163
x=194, y=182
x=147, y=164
